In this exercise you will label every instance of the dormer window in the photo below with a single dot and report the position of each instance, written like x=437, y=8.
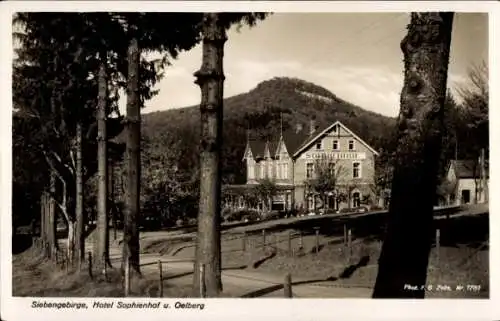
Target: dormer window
x=318, y=145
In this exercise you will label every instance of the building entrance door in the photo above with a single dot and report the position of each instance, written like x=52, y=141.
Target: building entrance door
x=356, y=200
x=332, y=204
x=465, y=196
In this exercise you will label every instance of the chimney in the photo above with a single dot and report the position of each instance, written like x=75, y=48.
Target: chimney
x=312, y=126
x=298, y=128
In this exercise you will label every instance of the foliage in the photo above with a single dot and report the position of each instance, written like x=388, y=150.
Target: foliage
x=271, y=215
x=55, y=75
x=475, y=108
x=326, y=174
x=241, y=215
x=168, y=190
x=265, y=191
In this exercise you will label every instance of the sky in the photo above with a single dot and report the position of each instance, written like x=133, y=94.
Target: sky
x=356, y=56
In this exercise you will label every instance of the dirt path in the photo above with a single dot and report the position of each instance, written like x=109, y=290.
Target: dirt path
x=237, y=282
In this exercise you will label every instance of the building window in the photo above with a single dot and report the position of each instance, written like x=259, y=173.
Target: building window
x=356, y=170
x=331, y=168
x=309, y=170
x=270, y=170
x=351, y=145
x=262, y=171
x=318, y=145
x=251, y=171
x=335, y=145
x=285, y=171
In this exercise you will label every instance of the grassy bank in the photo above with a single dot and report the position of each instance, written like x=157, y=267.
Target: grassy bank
x=33, y=275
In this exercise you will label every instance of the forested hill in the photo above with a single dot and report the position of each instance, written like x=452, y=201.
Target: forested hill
x=260, y=109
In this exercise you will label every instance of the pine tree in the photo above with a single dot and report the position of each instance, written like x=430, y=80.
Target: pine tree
x=210, y=78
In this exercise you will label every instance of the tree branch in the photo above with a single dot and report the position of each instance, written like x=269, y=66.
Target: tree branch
x=73, y=162
x=62, y=205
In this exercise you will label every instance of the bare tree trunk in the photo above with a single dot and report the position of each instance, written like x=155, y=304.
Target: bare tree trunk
x=112, y=203
x=210, y=78
x=71, y=240
x=43, y=212
x=133, y=127
x=101, y=255
x=80, y=223
x=405, y=252
x=52, y=218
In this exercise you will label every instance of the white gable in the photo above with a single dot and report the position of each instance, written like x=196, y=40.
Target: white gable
x=248, y=153
x=337, y=126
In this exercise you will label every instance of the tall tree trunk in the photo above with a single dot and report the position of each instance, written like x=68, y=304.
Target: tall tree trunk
x=71, y=240
x=210, y=78
x=52, y=218
x=43, y=212
x=405, y=252
x=102, y=240
x=112, y=204
x=80, y=219
x=46, y=214
x=133, y=128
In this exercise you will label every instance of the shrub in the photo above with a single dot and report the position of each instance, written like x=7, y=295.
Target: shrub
x=241, y=215
x=225, y=213
x=272, y=215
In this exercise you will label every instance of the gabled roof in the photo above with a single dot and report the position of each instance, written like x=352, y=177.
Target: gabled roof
x=248, y=152
x=273, y=146
x=257, y=148
x=293, y=139
x=467, y=168
x=322, y=131
x=297, y=141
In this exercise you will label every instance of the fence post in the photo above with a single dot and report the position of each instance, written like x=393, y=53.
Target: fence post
x=287, y=286
x=345, y=235
x=277, y=239
x=290, y=243
x=244, y=242
x=68, y=261
x=317, y=239
x=90, y=264
x=349, y=244
x=263, y=239
x=438, y=245
x=160, y=285
x=202, y=281
x=301, y=243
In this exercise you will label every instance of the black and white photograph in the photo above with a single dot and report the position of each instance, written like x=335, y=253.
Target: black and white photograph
x=194, y=155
